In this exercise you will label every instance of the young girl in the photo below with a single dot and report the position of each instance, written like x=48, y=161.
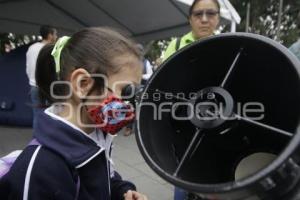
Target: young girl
x=69, y=157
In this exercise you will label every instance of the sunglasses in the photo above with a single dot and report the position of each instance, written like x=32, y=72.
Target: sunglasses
x=208, y=13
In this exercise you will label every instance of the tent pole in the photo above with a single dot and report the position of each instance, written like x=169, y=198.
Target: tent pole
x=279, y=19
x=233, y=26
x=248, y=17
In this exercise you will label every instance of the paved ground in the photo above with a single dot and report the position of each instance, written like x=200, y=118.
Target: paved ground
x=128, y=160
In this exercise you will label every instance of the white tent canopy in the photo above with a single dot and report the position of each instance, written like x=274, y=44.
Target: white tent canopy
x=141, y=19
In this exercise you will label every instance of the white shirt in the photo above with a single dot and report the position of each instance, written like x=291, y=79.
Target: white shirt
x=31, y=58
x=149, y=70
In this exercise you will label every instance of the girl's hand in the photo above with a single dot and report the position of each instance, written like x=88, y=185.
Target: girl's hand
x=133, y=195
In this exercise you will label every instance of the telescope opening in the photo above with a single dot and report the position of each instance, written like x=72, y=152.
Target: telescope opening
x=220, y=117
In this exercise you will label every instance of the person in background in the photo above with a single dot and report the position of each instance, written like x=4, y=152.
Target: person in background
x=147, y=71
x=204, y=18
x=147, y=67
x=157, y=63
x=295, y=49
x=49, y=35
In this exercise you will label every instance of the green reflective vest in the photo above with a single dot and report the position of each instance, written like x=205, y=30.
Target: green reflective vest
x=185, y=40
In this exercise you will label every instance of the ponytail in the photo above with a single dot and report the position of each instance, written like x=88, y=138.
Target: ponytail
x=45, y=75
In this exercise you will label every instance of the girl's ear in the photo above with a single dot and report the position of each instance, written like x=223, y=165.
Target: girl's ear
x=81, y=82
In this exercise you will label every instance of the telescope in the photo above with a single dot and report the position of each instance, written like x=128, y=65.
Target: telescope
x=220, y=119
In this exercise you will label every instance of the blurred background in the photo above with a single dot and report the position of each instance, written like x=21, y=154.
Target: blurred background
x=276, y=19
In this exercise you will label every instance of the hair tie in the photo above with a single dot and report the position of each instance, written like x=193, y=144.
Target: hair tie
x=59, y=45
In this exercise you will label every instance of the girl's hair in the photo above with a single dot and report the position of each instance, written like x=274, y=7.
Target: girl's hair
x=92, y=49
x=45, y=74
x=196, y=1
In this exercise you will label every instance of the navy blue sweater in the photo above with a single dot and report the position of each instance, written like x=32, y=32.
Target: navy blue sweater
x=66, y=160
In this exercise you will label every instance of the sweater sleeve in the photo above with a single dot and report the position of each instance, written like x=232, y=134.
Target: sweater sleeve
x=119, y=187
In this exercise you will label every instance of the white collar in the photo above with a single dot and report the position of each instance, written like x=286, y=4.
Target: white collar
x=97, y=135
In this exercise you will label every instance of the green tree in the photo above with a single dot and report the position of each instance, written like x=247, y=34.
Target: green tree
x=264, y=18
x=155, y=48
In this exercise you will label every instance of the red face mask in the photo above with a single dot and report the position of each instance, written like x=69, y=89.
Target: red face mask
x=112, y=114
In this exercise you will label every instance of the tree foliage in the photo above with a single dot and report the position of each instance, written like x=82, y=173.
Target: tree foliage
x=264, y=18
x=155, y=48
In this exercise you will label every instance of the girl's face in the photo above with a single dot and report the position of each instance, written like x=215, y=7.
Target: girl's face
x=204, y=19
x=129, y=71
